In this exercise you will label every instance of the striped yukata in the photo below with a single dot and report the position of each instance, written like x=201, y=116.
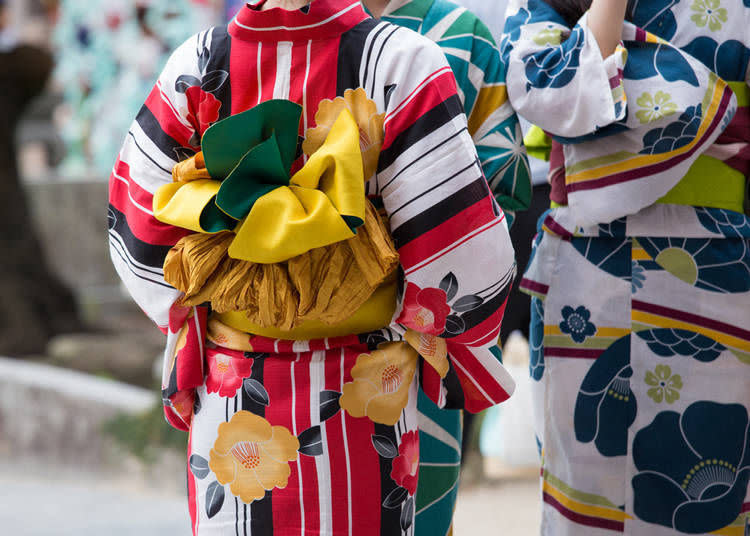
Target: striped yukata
x=321, y=436
x=480, y=75
x=640, y=274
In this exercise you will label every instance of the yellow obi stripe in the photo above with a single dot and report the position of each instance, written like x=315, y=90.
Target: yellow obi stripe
x=709, y=183
x=376, y=313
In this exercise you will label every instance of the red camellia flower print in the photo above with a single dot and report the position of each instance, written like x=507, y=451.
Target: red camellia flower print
x=226, y=372
x=405, y=470
x=203, y=108
x=425, y=310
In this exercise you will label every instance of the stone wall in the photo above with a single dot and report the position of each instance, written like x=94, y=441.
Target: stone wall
x=71, y=218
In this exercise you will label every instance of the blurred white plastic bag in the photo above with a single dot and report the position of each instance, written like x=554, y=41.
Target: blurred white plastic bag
x=507, y=430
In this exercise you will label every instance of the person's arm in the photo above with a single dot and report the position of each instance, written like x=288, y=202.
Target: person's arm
x=605, y=20
x=557, y=77
x=139, y=243
x=452, y=237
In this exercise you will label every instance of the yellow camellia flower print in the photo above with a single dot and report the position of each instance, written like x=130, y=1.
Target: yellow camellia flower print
x=370, y=122
x=380, y=390
x=252, y=456
x=654, y=107
x=433, y=349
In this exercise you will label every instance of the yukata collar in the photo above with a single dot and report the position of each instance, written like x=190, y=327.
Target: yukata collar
x=323, y=20
x=417, y=8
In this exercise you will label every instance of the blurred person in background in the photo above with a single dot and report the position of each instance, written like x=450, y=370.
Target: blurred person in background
x=35, y=304
x=640, y=274
x=304, y=419
x=110, y=51
x=480, y=74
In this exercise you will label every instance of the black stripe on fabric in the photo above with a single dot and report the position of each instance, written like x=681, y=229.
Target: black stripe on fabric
x=440, y=212
x=151, y=127
x=428, y=123
x=390, y=518
x=434, y=187
x=423, y=155
x=369, y=54
x=221, y=54
x=142, y=252
x=454, y=398
x=261, y=511
x=351, y=50
x=144, y=153
x=380, y=54
x=476, y=316
x=139, y=276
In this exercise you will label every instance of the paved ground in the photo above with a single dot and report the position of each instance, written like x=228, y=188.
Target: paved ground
x=35, y=507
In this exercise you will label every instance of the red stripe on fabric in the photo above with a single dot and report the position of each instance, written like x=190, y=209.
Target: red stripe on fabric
x=268, y=66
x=192, y=493
x=190, y=359
x=321, y=80
x=320, y=84
x=296, y=89
x=431, y=383
x=556, y=228
x=533, y=286
x=433, y=93
x=467, y=364
x=578, y=353
x=486, y=332
x=745, y=508
x=277, y=379
x=365, y=469
x=659, y=167
x=419, y=88
x=448, y=233
x=455, y=246
x=139, y=194
x=339, y=499
x=616, y=80
x=692, y=318
x=124, y=193
x=243, y=64
x=297, y=76
x=598, y=522
x=307, y=464
x=166, y=116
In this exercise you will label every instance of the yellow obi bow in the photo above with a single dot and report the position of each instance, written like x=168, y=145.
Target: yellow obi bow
x=275, y=218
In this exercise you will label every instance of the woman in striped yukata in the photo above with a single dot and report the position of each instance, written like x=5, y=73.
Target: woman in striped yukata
x=300, y=207
x=641, y=271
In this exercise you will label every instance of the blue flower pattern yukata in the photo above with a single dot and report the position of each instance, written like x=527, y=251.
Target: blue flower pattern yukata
x=640, y=277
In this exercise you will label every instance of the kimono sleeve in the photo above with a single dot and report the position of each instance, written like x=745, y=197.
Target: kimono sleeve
x=160, y=136
x=452, y=237
x=158, y=139
x=557, y=78
x=493, y=124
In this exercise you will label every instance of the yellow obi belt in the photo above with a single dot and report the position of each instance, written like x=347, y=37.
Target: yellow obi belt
x=725, y=190
x=376, y=313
